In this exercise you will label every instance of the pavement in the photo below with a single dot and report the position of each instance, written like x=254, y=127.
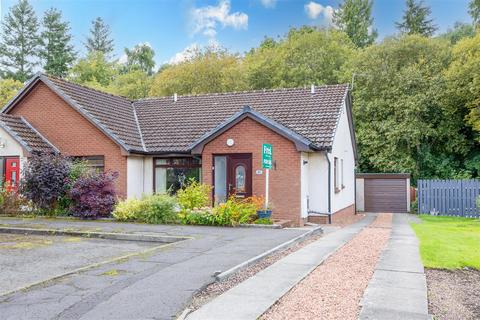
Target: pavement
x=154, y=285
x=251, y=298
x=398, y=288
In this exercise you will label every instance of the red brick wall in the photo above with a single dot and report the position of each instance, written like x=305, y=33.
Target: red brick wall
x=249, y=136
x=70, y=132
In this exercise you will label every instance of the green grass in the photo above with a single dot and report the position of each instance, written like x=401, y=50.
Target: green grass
x=449, y=242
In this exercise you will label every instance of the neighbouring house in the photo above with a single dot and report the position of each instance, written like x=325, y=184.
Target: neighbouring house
x=156, y=144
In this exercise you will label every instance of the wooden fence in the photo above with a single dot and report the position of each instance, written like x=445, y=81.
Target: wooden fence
x=449, y=197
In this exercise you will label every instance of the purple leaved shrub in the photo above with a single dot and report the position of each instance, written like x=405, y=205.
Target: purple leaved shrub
x=93, y=196
x=44, y=180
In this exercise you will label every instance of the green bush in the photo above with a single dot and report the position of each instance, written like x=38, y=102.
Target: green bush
x=11, y=203
x=195, y=195
x=158, y=208
x=231, y=213
x=414, y=206
x=263, y=221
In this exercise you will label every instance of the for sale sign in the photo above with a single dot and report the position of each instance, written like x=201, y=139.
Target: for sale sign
x=267, y=153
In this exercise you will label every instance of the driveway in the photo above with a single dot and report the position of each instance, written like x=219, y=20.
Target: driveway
x=153, y=285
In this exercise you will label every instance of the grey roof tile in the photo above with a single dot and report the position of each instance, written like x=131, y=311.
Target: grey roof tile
x=23, y=132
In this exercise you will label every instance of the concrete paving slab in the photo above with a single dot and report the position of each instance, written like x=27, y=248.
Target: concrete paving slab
x=398, y=288
x=251, y=298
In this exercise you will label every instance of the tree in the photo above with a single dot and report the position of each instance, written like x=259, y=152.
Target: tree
x=464, y=80
x=19, y=42
x=458, y=32
x=100, y=40
x=303, y=57
x=140, y=58
x=416, y=19
x=404, y=122
x=135, y=84
x=354, y=17
x=8, y=89
x=94, y=71
x=210, y=70
x=56, y=49
x=474, y=11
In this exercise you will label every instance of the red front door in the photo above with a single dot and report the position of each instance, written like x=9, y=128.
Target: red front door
x=239, y=177
x=12, y=172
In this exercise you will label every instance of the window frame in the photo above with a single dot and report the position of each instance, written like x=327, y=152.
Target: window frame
x=88, y=158
x=170, y=164
x=336, y=175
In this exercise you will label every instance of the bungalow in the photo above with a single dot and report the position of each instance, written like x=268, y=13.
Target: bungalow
x=156, y=144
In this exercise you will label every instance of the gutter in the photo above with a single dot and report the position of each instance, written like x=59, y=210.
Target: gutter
x=329, y=188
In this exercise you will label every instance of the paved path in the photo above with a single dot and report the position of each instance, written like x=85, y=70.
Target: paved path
x=251, y=298
x=157, y=285
x=398, y=289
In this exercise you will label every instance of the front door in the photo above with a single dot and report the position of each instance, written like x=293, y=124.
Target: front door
x=232, y=176
x=12, y=172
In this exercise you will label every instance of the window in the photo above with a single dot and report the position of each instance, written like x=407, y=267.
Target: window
x=341, y=172
x=240, y=179
x=94, y=162
x=336, y=174
x=172, y=174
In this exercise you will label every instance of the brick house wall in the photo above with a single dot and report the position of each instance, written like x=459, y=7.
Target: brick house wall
x=70, y=132
x=249, y=136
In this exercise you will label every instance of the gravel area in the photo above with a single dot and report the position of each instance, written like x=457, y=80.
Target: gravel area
x=334, y=289
x=454, y=294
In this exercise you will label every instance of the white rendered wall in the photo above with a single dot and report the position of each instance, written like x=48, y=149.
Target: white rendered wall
x=12, y=148
x=360, y=194
x=317, y=182
x=139, y=176
x=342, y=149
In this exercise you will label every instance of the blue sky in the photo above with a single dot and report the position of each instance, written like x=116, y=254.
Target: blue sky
x=170, y=26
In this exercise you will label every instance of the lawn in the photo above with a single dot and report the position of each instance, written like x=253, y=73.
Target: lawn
x=449, y=242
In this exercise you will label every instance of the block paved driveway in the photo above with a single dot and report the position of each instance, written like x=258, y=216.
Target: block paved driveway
x=156, y=285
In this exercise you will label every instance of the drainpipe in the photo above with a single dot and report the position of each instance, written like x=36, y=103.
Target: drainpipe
x=329, y=188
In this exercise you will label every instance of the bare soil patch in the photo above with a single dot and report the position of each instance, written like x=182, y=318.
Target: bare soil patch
x=454, y=294
x=334, y=289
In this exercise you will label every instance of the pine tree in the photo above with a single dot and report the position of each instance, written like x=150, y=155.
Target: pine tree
x=416, y=20
x=474, y=11
x=354, y=17
x=56, y=50
x=99, y=40
x=19, y=42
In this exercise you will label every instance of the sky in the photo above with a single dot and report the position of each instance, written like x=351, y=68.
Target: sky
x=171, y=26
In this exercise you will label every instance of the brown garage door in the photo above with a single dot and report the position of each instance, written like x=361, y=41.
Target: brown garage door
x=385, y=195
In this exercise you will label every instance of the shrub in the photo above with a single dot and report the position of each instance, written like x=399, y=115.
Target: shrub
x=44, y=180
x=263, y=221
x=93, y=195
x=77, y=169
x=231, y=213
x=195, y=195
x=158, y=208
x=11, y=203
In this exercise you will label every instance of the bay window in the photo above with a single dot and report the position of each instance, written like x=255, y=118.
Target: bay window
x=172, y=174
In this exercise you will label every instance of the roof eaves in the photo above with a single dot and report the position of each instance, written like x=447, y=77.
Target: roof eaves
x=83, y=112
x=15, y=136
x=302, y=143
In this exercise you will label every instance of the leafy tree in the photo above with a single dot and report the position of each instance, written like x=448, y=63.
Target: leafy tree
x=135, y=84
x=140, y=58
x=210, y=70
x=404, y=122
x=94, y=71
x=458, y=32
x=19, y=42
x=354, y=17
x=416, y=19
x=57, y=50
x=464, y=80
x=304, y=56
x=100, y=38
x=474, y=11
x=8, y=89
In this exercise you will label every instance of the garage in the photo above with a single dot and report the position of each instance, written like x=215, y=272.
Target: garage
x=380, y=192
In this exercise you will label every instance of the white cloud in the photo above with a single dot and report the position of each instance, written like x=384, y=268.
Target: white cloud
x=184, y=55
x=207, y=19
x=316, y=10
x=269, y=3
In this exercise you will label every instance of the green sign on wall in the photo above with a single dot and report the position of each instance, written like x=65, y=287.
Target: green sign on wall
x=267, y=153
